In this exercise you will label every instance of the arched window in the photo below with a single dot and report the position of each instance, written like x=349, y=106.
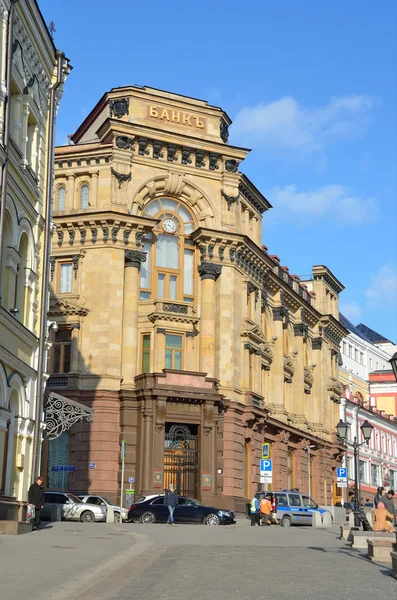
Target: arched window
x=84, y=196
x=58, y=454
x=61, y=195
x=169, y=268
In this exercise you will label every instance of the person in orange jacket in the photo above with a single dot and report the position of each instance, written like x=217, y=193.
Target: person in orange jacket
x=265, y=507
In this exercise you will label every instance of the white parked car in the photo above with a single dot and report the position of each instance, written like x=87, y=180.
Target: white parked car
x=71, y=508
x=104, y=502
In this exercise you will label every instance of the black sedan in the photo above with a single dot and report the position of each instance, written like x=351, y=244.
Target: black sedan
x=151, y=509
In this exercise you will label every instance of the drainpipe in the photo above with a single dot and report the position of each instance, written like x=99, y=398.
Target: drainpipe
x=6, y=132
x=45, y=270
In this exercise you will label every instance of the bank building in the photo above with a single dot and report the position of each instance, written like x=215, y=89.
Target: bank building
x=175, y=326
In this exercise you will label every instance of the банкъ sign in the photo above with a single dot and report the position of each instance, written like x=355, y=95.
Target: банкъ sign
x=179, y=117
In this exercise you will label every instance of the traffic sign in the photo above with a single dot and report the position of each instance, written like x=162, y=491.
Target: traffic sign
x=266, y=465
x=341, y=473
x=92, y=465
x=342, y=484
x=64, y=468
x=131, y=479
x=266, y=450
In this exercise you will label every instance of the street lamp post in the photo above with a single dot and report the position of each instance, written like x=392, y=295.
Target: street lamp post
x=366, y=429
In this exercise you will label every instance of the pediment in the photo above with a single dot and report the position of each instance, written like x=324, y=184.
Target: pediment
x=61, y=308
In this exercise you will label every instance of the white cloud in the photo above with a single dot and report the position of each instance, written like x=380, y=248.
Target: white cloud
x=351, y=310
x=331, y=201
x=382, y=290
x=287, y=125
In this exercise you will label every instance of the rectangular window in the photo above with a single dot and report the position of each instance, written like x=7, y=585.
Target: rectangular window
x=363, y=471
x=145, y=353
x=173, y=281
x=167, y=252
x=393, y=479
x=356, y=354
x=61, y=351
x=65, y=278
x=370, y=364
x=344, y=347
x=361, y=358
x=173, y=351
x=160, y=285
x=145, y=273
x=350, y=352
x=374, y=474
x=188, y=273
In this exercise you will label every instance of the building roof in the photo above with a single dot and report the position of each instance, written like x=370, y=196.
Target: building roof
x=346, y=323
x=372, y=336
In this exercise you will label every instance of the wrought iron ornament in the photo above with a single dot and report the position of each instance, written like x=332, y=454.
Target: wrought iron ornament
x=60, y=414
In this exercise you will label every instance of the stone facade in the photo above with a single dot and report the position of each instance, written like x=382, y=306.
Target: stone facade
x=176, y=326
x=24, y=154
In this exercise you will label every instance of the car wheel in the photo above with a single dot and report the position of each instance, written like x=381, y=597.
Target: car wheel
x=212, y=519
x=148, y=518
x=116, y=517
x=87, y=517
x=285, y=521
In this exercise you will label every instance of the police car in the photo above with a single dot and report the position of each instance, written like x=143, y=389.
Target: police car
x=290, y=507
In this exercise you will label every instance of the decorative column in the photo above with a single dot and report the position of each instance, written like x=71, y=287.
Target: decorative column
x=69, y=204
x=94, y=188
x=16, y=118
x=276, y=392
x=147, y=454
x=299, y=400
x=209, y=273
x=3, y=56
x=133, y=261
x=74, y=355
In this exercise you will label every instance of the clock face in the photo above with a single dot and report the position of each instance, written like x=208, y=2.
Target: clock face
x=169, y=225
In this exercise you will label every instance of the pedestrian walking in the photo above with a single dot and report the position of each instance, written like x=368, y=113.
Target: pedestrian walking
x=255, y=511
x=379, y=493
x=171, y=500
x=265, y=508
x=388, y=501
x=382, y=519
x=35, y=498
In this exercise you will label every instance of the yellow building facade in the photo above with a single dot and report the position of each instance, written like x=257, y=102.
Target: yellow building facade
x=188, y=340
x=24, y=157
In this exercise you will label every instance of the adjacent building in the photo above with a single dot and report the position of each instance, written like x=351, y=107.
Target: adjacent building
x=25, y=157
x=369, y=393
x=175, y=325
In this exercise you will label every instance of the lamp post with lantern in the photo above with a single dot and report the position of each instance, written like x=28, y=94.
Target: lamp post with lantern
x=366, y=429
x=393, y=362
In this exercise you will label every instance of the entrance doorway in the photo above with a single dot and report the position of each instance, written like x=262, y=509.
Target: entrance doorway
x=181, y=458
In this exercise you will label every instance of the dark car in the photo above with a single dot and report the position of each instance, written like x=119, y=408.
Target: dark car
x=151, y=509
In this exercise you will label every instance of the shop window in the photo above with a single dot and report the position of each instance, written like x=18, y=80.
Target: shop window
x=84, y=196
x=61, y=351
x=145, y=353
x=173, y=351
x=168, y=272
x=61, y=197
x=65, y=278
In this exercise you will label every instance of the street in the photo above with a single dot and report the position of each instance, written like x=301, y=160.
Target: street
x=67, y=561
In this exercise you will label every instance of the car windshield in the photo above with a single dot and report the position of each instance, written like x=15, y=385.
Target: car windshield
x=105, y=500
x=74, y=498
x=309, y=502
x=195, y=501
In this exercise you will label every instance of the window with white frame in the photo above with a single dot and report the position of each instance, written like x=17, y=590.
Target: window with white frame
x=84, y=196
x=362, y=358
x=374, y=474
x=362, y=471
x=61, y=197
x=393, y=479
x=65, y=278
x=344, y=347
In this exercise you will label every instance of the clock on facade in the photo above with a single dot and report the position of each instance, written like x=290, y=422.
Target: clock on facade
x=169, y=225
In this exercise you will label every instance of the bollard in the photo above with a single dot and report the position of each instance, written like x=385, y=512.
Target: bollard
x=110, y=515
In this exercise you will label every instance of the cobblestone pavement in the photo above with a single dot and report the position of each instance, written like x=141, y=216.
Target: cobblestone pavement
x=78, y=561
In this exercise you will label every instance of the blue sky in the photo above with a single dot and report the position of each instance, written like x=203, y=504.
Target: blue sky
x=311, y=88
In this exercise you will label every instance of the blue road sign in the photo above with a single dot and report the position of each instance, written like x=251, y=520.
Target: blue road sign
x=92, y=465
x=65, y=468
x=341, y=473
x=131, y=479
x=266, y=465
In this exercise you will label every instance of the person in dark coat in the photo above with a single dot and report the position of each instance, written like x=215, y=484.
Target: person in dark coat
x=171, y=500
x=379, y=493
x=35, y=498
